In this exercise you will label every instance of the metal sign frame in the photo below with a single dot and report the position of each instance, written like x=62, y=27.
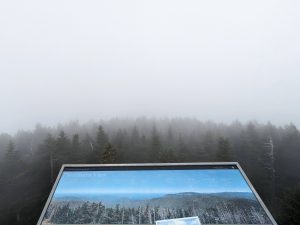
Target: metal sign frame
x=154, y=166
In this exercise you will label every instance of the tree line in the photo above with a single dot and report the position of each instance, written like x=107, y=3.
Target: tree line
x=30, y=160
x=97, y=213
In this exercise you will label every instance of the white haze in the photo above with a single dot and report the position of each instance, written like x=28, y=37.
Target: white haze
x=211, y=60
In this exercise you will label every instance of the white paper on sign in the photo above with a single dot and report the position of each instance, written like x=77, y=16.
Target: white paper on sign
x=180, y=221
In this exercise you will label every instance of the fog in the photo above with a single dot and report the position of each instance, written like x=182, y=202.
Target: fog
x=92, y=60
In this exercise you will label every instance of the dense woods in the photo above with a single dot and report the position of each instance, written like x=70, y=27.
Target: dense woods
x=30, y=160
x=147, y=213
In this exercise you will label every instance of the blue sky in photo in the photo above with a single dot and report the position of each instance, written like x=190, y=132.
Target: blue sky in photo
x=151, y=181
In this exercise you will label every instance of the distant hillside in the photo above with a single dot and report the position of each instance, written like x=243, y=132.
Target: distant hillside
x=202, y=200
x=182, y=200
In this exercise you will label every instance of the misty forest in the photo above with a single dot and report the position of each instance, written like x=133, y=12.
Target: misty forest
x=31, y=160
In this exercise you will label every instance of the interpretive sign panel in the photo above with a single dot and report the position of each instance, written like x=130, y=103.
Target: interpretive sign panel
x=143, y=194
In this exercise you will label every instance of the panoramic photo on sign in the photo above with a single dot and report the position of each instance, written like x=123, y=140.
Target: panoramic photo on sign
x=216, y=196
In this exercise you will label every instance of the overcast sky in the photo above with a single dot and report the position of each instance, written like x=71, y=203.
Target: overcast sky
x=80, y=60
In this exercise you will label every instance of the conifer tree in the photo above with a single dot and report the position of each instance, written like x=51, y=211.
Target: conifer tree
x=182, y=150
x=170, y=136
x=76, y=149
x=10, y=154
x=12, y=161
x=62, y=151
x=48, y=151
x=223, y=153
x=110, y=154
x=101, y=142
x=119, y=139
x=101, y=139
x=155, y=145
x=209, y=145
x=88, y=151
x=291, y=207
x=135, y=136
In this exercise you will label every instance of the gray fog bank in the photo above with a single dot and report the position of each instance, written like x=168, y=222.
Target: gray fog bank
x=214, y=60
